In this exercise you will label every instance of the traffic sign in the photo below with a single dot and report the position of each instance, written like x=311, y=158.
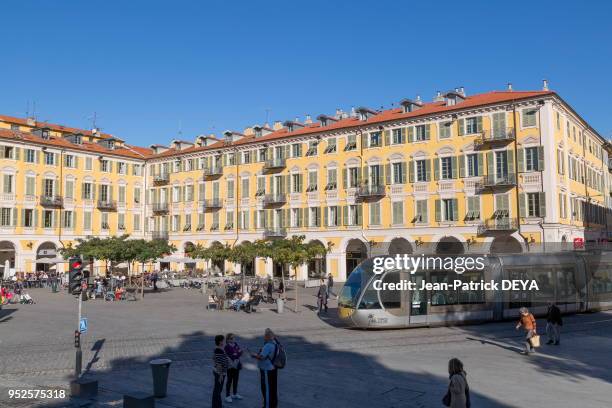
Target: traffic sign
x=83, y=325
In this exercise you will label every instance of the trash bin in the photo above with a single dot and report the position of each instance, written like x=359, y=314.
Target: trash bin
x=280, y=305
x=160, y=369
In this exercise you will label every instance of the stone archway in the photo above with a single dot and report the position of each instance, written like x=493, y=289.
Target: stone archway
x=7, y=256
x=45, y=250
x=505, y=245
x=356, y=252
x=399, y=246
x=317, y=268
x=449, y=246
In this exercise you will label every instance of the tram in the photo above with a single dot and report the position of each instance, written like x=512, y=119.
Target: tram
x=575, y=281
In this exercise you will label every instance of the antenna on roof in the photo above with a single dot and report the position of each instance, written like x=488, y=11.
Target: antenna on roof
x=268, y=115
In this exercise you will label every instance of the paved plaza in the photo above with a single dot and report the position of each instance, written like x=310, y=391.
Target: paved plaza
x=328, y=365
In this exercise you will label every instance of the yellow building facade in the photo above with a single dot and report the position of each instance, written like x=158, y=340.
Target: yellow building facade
x=499, y=171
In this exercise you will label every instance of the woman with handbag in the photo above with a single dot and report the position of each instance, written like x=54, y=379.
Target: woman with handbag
x=528, y=323
x=458, y=394
x=234, y=352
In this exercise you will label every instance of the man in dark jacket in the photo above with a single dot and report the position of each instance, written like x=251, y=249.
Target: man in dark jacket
x=553, y=324
x=322, y=296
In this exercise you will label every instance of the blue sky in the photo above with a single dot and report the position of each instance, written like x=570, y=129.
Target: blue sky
x=149, y=68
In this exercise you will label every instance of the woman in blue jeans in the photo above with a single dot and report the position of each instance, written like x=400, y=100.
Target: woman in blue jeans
x=220, y=364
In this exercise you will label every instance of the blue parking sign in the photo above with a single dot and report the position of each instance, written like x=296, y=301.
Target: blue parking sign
x=83, y=325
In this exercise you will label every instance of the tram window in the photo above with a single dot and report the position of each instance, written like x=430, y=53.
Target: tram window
x=352, y=288
x=458, y=296
x=391, y=299
x=518, y=298
x=546, y=286
x=566, y=285
x=370, y=298
x=602, y=279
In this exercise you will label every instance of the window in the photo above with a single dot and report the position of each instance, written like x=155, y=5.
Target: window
x=243, y=220
x=5, y=217
x=121, y=195
x=104, y=222
x=501, y=164
x=353, y=176
x=533, y=205
x=529, y=117
x=562, y=206
x=398, y=136
x=420, y=212
x=230, y=189
x=375, y=213
x=104, y=166
x=87, y=191
x=50, y=159
x=137, y=195
x=49, y=188
x=121, y=168
x=446, y=210
x=229, y=220
x=261, y=219
x=375, y=175
x=472, y=165
x=246, y=157
x=312, y=181
x=28, y=218
x=351, y=143
x=473, y=125
x=68, y=219
x=69, y=193
x=375, y=139
x=560, y=162
x=261, y=154
x=421, y=170
x=531, y=159
x=30, y=156
x=244, y=193
x=231, y=159
x=422, y=132
x=69, y=161
x=445, y=130
x=558, y=121
x=261, y=186
x=88, y=163
x=331, y=145
x=30, y=185
x=332, y=220
x=473, y=208
x=296, y=183
x=48, y=219
x=446, y=168
x=398, y=212
x=296, y=150
x=104, y=193
x=8, y=184
x=332, y=179
x=314, y=217
x=87, y=220
x=352, y=215
x=398, y=172
x=8, y=152
x=312, y=149
x=136, y=222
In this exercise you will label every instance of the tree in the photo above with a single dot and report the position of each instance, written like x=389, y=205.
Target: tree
x=216, y=252
x=148, y=251
x=242, y=254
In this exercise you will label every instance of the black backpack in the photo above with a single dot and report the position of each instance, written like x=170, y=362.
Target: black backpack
x=280, y=356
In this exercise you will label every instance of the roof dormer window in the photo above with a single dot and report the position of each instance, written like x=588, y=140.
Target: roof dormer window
x=45, y=134
x=409, y=105
x=365, y=113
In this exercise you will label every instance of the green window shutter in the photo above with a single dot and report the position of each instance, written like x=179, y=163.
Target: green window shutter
x=461, y=166
x=387, y=137
x=490, y=164
x=427, y=170
x=344, y=215
x=403, y=172
x=427, y=131
x=325, y=216
x=480, y=164
x=15, y=211
x=345, y=178
x=364, y=140
x=510, y=161
x=287, y=151
x=542, y=200
x=359, y=214
x=522, y=211
x=319, y=209
x=436, y=165
x=454, y=166
x=387, y=173
x=455, y=209
x=461, y=124
x=438, y=215
x=411, y=134
x=366, y=174
x=520, y=158
x=306, y=217
x=479, y=124
x=411, y=171
x=541, y=158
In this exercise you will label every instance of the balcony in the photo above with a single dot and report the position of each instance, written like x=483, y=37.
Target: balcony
x=498, y=225
x=160, y=207
x=107, y=205
x=212, y=204
x=367, y=191
x=274, y=199
x=52, y=201
x=275, y=164
x=161, y=178
x=212, y=172
x=270, y=233
x=492, y=180
x=497, y=136
x=160, y=235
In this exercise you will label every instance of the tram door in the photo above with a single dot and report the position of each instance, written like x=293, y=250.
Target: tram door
x=418, y=300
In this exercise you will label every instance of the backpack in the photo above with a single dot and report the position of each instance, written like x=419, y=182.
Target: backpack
x=280, y=356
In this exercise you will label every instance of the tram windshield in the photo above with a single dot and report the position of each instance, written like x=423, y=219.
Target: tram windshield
x=356, y=281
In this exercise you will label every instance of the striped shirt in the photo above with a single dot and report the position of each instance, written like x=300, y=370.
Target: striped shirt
x=220, y=361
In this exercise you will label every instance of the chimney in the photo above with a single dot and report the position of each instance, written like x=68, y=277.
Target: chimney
x=277, y=125
x=418, y=98
x=353, y=112
x=510, y=86
x=438, y=97
x=462, y=90
x=308, y=120
x=545, y=84
x=297, y=119
x=338, y=113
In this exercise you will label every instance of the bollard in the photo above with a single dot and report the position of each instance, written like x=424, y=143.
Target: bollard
x=160, y=369
x=280, y=305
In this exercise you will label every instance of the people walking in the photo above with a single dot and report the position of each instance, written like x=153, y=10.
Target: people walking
x=220, y=366
x=270, y=290
x=322, y=296
x=528, y=323
x=234, y=352
x=553, y=324
x=267, y=370
x=458, y=394
x=330, y=284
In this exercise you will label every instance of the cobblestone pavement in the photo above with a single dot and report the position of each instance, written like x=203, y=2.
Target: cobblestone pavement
x=329, y=366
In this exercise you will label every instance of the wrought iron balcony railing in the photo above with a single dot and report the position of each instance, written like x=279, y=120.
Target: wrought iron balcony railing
x=275, y=164
x=496, y=180
x=160, y=235
x=161, y=178
x=160, y=207
x=212, y=204
x=275, y=233
x=213, y=171
x=274, y=199
x=109, y=205
x=370, y=191
x=498, y=224
x=495, y=135
x=51, y=201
